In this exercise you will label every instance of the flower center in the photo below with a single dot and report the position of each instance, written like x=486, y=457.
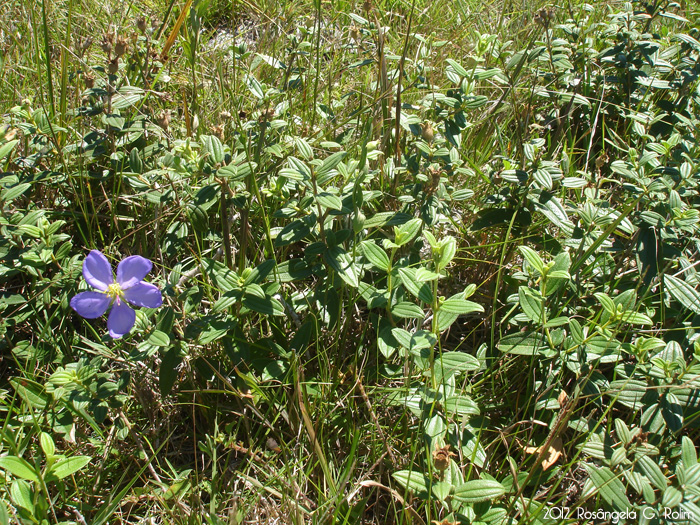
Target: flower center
x=115, y=292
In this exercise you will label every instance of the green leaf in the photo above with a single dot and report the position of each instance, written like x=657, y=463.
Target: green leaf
x=234, y=173
x=533, y=258
x=115, y=121
x=227, y=300
x=304, y=148
x=375, y=255
x=328, y=200
x=22, y=496
x=158, y=338
x=479, y=490
x=454, y=362
x=683, y=293
x=135, y=162
x=688, y=453
x=12, y=193
x=68, y=466
x=457, y=306
x=293, y=270
x=628, y=392
x=388, y=218
x=259, y=273
x=672, y=412
x=462, y=406
x=636, y=318
x=386, y=342
x=606, y=302
x=263, y=305
x=211, y=146
x=4, y=514
x=532, y=303
x=126, y=98
x=421, y=290
x=255, y=87
x=552, y=208
x=671, y=498
x=407, y=232
x=441, y=490
x=457, y=67
x=557, y=321
x=444, y=319
x=293, y=232
x=376, y=298
x=448, y=249
x=543, y=178
x=652, y=471
x=6, y=148
x=523, y=343
x=47, y=445
x=213, y=331
x=18, y=467
x=329, y=164
x=224, y=278
x=402, y=336
x=609, y=487
x=167, y=374
x=343, y=264
x=423, y=339
x=406, y=310
x=413, y=481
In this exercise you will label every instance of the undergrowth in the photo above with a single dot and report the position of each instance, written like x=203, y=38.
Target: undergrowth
x=420, y=262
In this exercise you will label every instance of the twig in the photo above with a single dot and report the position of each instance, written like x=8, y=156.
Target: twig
x=140, y=445
x=361, y=388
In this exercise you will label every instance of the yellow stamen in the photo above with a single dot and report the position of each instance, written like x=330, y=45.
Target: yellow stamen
x=115, y=291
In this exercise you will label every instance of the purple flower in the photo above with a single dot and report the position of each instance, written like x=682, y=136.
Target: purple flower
x=127, y=288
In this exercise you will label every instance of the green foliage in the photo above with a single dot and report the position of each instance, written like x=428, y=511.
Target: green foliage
x=474, y=302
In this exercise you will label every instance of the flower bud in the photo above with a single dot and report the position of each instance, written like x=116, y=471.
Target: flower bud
x=441, y=458
x=427, y=131
x=163, y=119
x=358, y=222
x=107, y=43
x=113, y=66
x=89, y=79
x=218, y=131
x=121, y=46
x=141, y=24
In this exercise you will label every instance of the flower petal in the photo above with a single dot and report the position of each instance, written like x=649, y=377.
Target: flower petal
x=144, y=294
x=121, y=320
x=90, y=305
x=97, y=271
x=132, y=270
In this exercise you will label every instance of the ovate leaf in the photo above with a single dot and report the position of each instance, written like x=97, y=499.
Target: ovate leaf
x=479, y=490
x=532, y=303
x=68, y=466
x=375, y=255
x=342, y=263
x=683, y=293
x=523, y=343
x=413, y=481
x=609, y=487
x=18, y=467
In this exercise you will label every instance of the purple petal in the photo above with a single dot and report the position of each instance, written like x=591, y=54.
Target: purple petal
x=132, y=270
x=144, y=294
x=97, y=271
x=121, y=320
x=90, y=304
